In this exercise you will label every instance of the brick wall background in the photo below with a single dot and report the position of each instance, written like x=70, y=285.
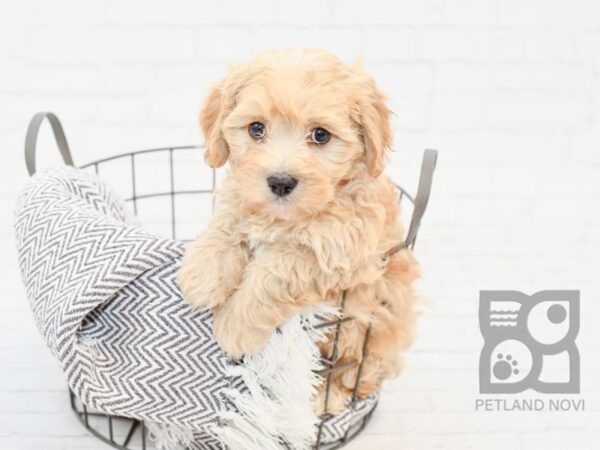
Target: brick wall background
x=507, y=90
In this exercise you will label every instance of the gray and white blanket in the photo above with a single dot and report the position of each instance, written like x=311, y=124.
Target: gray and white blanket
x=103, y=295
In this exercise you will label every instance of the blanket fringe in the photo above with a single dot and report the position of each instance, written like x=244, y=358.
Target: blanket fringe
x=276, y=409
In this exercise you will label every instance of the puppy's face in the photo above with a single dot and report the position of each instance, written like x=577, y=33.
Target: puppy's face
x=295, y=125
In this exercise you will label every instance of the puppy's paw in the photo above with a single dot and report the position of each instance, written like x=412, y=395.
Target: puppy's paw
x=199, y=291
x=209, y=274
x=235, y=336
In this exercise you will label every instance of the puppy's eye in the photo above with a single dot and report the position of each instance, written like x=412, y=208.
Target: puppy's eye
x=257, y=130
x=320, y=136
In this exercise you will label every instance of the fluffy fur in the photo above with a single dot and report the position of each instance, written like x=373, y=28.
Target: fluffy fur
x=263, y=258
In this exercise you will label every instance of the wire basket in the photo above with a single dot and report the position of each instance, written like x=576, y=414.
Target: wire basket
x=128, y=433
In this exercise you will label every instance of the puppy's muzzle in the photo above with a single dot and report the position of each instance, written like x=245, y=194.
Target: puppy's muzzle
x=281, y=185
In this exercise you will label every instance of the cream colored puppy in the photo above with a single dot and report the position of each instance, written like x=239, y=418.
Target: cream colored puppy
x=304, y=212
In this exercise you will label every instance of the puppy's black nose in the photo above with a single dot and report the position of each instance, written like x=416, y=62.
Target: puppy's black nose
x=282, y=185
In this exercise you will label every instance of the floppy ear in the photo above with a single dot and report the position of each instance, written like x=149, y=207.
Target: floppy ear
x=220, y=102
x=374, y=122
x=212, y=115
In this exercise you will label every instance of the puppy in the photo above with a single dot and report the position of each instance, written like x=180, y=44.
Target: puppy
x=303, y=214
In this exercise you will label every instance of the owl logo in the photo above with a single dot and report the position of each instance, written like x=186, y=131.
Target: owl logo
x=529, y=342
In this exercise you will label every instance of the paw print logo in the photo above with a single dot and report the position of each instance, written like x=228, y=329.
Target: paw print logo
x=510, y=362
x=505, y=367
x=525, y=334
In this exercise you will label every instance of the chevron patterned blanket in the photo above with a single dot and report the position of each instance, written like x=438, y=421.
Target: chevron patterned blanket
x=103, y=295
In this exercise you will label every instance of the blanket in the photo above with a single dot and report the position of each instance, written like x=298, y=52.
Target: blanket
x=104, y=296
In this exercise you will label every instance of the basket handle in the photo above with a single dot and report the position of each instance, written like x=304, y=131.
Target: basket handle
x=422, y=197
x=32, y=135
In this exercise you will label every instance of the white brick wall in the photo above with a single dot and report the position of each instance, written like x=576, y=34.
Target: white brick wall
x=508, y=90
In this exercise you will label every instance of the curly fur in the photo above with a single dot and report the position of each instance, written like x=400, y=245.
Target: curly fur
x=263, y=258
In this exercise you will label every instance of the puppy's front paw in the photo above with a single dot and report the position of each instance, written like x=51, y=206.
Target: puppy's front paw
x=200, y=299
x=208, y=276
x=235, y=336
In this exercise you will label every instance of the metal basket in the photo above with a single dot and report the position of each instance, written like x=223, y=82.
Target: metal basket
x=128, y=433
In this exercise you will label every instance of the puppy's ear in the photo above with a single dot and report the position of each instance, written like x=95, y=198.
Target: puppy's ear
x=212, y=115
x=373, y=118
x=220, y=102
